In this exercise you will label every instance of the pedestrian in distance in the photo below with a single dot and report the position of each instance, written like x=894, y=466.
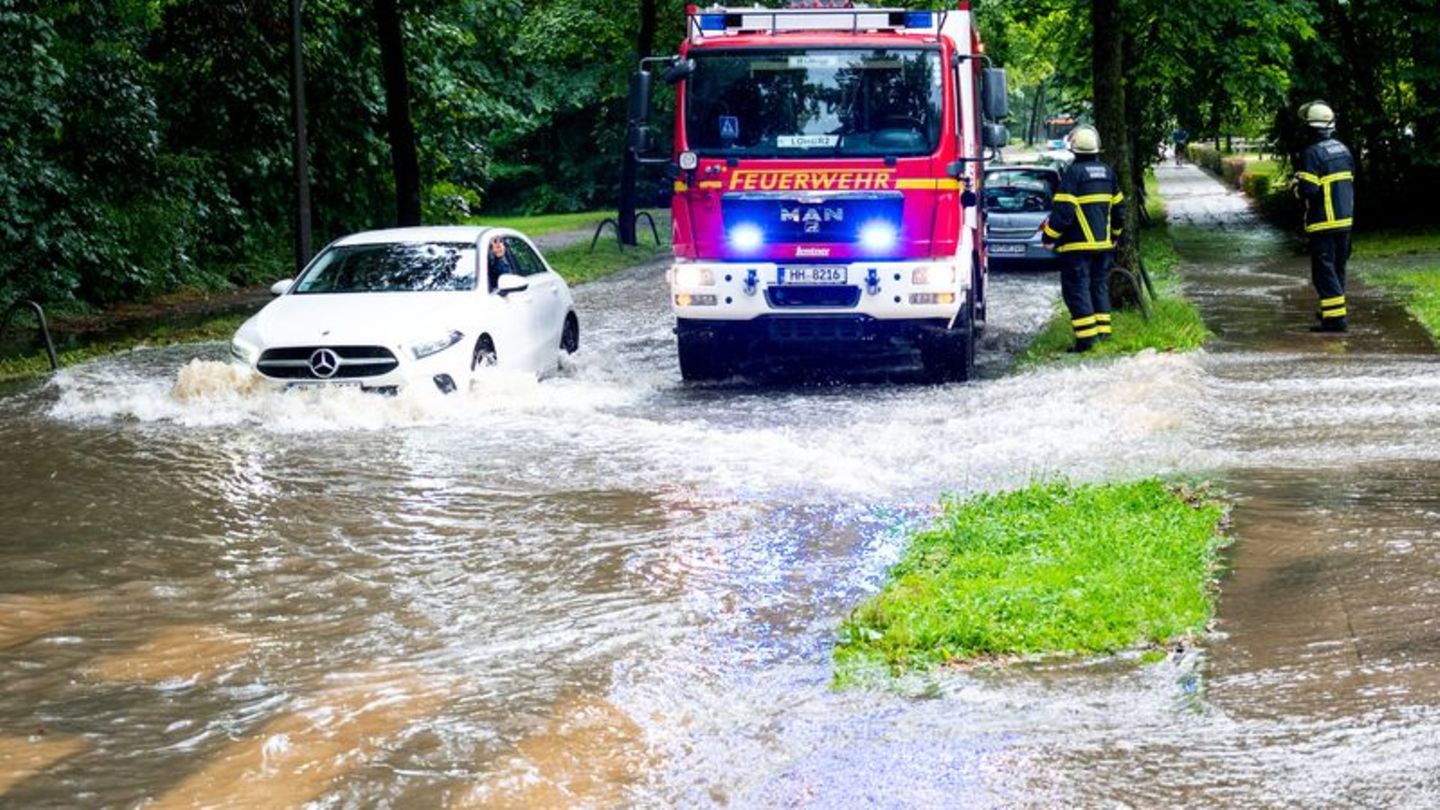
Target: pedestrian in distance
x=1088, y=216
x=1181, y=139
x=1326, y=182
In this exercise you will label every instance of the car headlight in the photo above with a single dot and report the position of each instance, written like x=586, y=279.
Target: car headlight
x=244, y=352
x=691, y=276
x=429, y=347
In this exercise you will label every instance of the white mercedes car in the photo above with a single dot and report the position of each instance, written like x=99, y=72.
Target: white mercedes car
x=384, y=310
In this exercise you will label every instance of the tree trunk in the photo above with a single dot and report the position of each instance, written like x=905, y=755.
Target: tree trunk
x=1108, y=77
x=403, y=153
x=1036, y=106
x=301, y=147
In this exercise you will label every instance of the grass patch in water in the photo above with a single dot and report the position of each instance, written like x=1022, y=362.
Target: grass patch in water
x=1175, y=323
x=36, y=364
x=1051, y=569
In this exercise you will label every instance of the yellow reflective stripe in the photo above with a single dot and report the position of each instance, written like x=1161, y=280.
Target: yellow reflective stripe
x=1102, y=317
x=1333, y=313
x=680, y=187
x=1065, y=197
x=1086, y=333
x=1336, y=177
x=1094, y=198
x=1088, y=320
x=929, y=184
x=1085, y=246
x=1329, y=203
x=710, y=184
x=1328, y=226
x=1105, y=329
x=1049, y=231
x=1084, y=224
x=1307, y=177
x=1118, y=198
x=1337, y=301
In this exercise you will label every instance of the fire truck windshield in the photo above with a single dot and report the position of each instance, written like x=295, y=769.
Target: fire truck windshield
x=814, y=102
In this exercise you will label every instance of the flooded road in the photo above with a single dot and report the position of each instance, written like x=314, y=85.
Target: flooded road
x=608, y=589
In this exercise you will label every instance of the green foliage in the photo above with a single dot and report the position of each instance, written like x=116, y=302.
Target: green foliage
x=1385, y=244
x=1053, y=568
x=1418, y=288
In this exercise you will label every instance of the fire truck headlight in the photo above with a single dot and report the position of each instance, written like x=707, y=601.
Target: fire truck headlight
x=935, y=275
x=878, y=237
x=746, y=238
x=687, y=276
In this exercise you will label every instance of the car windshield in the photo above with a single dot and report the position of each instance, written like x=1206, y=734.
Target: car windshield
x=1012, y=191
x=801, y=103
x=392, y=267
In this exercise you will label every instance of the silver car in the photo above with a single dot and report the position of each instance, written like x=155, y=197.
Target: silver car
x=1017, y=201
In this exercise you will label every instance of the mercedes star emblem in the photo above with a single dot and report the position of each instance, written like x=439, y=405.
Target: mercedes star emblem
x=324, y=363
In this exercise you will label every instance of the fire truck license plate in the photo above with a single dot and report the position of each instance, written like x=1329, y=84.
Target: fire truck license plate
x=815, y=275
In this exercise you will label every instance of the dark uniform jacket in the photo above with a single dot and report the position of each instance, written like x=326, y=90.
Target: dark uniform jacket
x=1089, y=208
x=1327, y=184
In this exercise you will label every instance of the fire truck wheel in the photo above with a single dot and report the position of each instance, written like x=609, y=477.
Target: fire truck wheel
x=950, y=355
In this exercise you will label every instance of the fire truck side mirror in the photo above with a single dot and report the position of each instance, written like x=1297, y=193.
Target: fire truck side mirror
x=642, y=139
x=678, y=71
x=994, y=136
x=995, y=94
x=968, y=199
x=640, y=97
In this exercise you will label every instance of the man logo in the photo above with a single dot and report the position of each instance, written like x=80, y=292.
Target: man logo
x=812, y=217
x=324, y=363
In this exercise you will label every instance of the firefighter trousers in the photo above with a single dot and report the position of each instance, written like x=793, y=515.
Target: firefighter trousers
x=1085, y=286
x=1329, y=253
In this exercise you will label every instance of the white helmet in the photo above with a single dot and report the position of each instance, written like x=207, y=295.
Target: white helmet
x=1085, y=140
x=1318, y=115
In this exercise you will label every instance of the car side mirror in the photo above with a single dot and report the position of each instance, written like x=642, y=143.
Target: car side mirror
x=282, y=287
x=511, y=283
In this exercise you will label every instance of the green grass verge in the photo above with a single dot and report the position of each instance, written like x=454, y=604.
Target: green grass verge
x=1385, y=244
x=37, y=364
x=1051, y=569
x=1175, y=324
x=577, y=264
x=541, y=224
x=1416, y=284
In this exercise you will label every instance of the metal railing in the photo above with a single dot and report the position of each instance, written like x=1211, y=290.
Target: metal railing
x=42, y=325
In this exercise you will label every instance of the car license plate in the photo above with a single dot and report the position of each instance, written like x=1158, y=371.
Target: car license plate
x=807, y=274
x=1001, y=249
x=311, y=385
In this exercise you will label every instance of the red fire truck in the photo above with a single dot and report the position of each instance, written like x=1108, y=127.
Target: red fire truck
x=827, y=163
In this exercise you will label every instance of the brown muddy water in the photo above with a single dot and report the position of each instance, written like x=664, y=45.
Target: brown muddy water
x=606, y=589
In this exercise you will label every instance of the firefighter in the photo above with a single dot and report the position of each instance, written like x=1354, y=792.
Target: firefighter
x=1326, y=182
x=1088, y=216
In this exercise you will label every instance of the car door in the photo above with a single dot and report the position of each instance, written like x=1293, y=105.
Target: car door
x=548, y=289
x=516, y=319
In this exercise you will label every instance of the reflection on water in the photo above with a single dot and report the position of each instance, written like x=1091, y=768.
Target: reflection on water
x=607, y=589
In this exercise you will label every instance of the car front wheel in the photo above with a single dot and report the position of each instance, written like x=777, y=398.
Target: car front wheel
x=570, y=335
